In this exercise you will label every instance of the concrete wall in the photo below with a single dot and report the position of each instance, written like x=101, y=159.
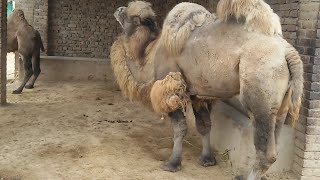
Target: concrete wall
x=55, y=68
x=233, y=131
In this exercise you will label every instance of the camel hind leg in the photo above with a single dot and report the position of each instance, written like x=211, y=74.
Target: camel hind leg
x=203, y=124
x=263, y=94
x=36, y=70
x=27, y=64
x=265, y=117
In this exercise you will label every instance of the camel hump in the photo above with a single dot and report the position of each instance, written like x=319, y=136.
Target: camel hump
x=255, y=14
x=179, y=24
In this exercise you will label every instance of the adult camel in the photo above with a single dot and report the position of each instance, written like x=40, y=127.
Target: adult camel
x=24, y=39
x=198, y=57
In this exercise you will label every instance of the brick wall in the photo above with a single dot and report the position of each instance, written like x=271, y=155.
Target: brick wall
x=87, y=28
x=300, y=21
x=81, y=28
x=288, y=12
x=3, y=51
x=40, y=21
x=307, y=161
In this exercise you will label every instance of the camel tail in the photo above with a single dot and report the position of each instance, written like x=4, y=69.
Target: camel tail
x=296, y=82
x=40, y=40
x=181, y=21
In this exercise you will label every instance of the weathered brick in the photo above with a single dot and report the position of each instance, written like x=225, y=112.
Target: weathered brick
x=313, y=130
x=311, y=172
x=309, y=178
x=313, y=121
x=312, y=155
x=311, y=164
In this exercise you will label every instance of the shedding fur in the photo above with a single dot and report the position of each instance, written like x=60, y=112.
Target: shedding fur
x=169, y=94
x=256, y=14
x=180, y=23
x=138, y=47
x=295, y=90
x=137, y=43
x=129, y=86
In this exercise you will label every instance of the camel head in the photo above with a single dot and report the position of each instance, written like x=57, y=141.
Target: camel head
x=138, y=13
x=17, y=14
x=120, y=15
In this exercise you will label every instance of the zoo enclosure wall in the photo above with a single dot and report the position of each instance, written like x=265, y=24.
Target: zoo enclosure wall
x=81, y=28
x=78, y=28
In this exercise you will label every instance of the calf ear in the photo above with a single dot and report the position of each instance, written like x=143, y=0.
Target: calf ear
x=136, y=21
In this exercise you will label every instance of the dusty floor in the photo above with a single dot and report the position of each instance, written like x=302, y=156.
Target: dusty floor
x=86, y=130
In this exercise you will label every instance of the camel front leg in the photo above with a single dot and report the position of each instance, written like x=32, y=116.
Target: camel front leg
x=179, y=126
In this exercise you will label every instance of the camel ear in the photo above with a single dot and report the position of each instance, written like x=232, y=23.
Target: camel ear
x=136, y=21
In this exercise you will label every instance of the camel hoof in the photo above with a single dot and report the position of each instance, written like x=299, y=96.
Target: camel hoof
x=171, y=167
x=240, y=177
x=29, y=86
x=207, y=161
x=16, y=92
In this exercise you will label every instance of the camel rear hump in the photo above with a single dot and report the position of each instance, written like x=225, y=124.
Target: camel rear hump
x=256, y=14
x=179, y=24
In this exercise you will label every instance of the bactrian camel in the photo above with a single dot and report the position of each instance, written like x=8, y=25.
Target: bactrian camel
x=198, y=57
x=24, y=39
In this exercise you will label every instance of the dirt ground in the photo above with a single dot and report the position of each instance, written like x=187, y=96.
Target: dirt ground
x=87, y=130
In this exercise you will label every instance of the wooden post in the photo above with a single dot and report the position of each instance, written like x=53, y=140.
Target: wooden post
x=3, y=51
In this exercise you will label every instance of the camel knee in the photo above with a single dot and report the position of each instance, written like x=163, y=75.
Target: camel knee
x=179, y=124
x=28, y=73
x=37, y=72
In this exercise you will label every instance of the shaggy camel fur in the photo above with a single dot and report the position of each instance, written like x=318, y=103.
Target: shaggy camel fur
x=24, y=39
x=257, y=14
x=219, y=59
x=134, y=72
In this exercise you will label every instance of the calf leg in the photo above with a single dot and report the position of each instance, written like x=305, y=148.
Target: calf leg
x=180, y=130
x=203, y=124
x=27, y=64
x=36, y=71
